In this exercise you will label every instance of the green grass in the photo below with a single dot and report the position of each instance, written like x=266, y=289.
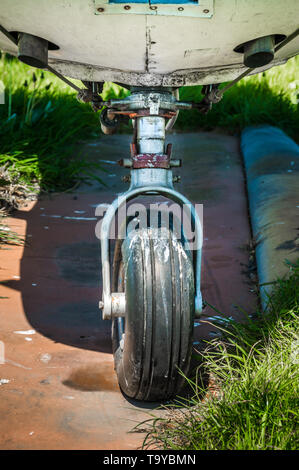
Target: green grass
x=254, y=372
x=40, y=125
x=42, y=122
x=267, y=98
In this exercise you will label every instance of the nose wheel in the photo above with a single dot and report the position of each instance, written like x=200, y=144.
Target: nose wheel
x=152, y=342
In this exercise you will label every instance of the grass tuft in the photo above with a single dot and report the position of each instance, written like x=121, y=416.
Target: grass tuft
x=252, y=401
x=8, y=236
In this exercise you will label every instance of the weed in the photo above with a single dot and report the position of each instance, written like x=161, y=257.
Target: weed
x=253, y=404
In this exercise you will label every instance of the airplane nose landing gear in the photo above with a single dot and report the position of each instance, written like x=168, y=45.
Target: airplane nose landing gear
x=155, y=294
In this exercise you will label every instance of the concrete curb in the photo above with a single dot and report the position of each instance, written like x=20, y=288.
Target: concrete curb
x=271, y=161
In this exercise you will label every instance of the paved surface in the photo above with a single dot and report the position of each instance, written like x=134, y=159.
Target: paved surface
x=59, y=389
x=272, y=167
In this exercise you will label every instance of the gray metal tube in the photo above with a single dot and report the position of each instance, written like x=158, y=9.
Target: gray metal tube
x=259, y=52
x=151, y=134
x=33, y=50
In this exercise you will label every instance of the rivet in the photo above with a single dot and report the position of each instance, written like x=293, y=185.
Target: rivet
x=100, y=10
x=153, y=7
x=206, y=11
x=181, y=9
x=127, y=7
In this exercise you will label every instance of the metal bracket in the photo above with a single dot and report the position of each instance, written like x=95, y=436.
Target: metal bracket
x=150, y=160
x=200, y=9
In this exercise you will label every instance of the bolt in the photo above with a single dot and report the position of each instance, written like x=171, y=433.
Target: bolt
x=126, y=162
x=175, y=163
x=127, y=7
x=126, y=178
x=206, y=11
x=181, y=9
x=100, y=10
x=176, y=179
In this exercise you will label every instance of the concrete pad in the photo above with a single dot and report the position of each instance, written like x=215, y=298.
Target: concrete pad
x=62, y=392
x=272, y=165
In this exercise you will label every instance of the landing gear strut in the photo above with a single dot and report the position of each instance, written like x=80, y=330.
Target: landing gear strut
x=154, y=294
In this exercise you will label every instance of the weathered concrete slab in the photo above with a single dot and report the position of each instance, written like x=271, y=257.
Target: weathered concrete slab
x=272, y=169
x=62, y=391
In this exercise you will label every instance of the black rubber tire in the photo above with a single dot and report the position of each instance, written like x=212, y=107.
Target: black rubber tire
x=156, y=273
